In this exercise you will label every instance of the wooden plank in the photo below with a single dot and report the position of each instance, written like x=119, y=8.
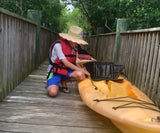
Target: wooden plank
x=135, y=56
x=25, y=48
x=153, y=66
x=157, y=99
x=30, y=49
x=22, y=51
x=6, y=132
x=15, y=44
x=30, y=128
x=37, y=76
x=93, y=47
x=17, y=76
x=149, y=66
x=146, y=55
x=124, y=51
x=9, y=62
x=12, y=29
x=121, y=49
x=64, y=116
x=33, y=93
x=131, y=58
x=83, y=109
x=142, y=60
x=139, y=58
x=4, y=55
x=12, y=46
x=128, y=55
x=8, y=44
x=100, y=46
x=16, y=54
x=105, y=52
x=1, y=57
x=32, y=46
x=155, y=91
x=112, y=43
x=43, y=100
x=143, y=30
x=19, y=51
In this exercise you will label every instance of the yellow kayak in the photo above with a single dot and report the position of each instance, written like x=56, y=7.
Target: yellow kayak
x=124, y=104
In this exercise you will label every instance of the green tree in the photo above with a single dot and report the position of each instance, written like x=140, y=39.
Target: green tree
x=50, y=9
x=144, y=14
x=74, y=18
x=103, y=13
x=98, y=13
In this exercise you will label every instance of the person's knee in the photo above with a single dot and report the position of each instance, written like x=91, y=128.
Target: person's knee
x=80, y=75
x=52, y=91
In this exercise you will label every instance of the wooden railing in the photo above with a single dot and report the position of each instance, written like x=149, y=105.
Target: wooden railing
x=139, y=51
x=101, y=47
x=17, y=49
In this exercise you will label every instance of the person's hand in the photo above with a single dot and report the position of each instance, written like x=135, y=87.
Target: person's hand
x=86, y=73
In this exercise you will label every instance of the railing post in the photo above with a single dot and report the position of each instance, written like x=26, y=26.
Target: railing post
x=99, y=31
x=1, y=63
x=35, y=16
x=122, y=25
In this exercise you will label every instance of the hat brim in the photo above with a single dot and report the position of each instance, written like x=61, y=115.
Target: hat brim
x=72, y=39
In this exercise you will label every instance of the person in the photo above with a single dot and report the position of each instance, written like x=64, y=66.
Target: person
x=62, y=58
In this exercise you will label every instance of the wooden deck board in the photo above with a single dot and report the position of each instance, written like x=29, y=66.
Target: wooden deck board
x=28, y=109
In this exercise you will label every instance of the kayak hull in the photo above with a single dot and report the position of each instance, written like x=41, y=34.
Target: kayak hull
x=125, y=105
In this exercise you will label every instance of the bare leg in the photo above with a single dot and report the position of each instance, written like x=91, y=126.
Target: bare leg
x=64, y=86
x=77, y=75
x=52, y=90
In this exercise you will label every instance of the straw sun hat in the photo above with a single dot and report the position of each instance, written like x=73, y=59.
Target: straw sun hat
x=75, y=34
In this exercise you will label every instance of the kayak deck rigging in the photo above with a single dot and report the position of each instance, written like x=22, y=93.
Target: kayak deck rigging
x=138, y=101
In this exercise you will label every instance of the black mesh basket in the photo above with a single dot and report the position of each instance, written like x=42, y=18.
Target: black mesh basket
x=104, y=70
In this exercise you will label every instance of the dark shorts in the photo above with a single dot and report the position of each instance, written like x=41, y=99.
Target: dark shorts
x=56, y=79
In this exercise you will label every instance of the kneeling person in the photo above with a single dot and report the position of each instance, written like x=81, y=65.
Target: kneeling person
x=62, y=58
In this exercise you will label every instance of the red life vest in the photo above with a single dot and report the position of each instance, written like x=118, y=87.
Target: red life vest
x=58, y=66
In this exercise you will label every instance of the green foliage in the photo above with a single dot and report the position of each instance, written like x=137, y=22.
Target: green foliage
x=50, y=10
x=74, y=18
x=144, y=14
x=103, y=13
x=90, y=14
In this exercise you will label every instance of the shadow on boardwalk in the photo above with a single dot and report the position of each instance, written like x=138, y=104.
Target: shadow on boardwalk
x=28, y=109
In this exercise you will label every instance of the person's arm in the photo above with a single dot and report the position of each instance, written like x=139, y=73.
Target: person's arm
x=68, y=64
x=58, y=51
x=74, y=67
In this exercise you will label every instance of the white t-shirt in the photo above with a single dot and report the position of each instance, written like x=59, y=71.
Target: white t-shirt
x=57, y=52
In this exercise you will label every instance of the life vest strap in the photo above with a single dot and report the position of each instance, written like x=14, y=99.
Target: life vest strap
x=70, y=55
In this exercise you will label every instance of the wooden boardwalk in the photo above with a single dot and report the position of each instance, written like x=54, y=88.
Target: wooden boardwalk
x=28, y=109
